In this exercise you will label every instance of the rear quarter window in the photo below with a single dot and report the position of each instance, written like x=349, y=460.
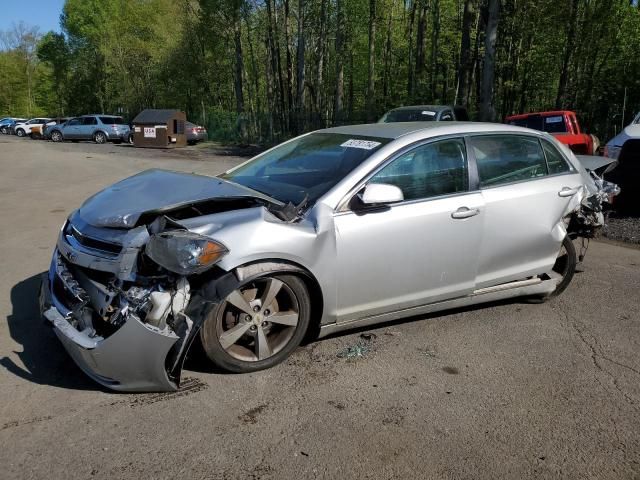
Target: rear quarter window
x=112, y=120
x=555, y=124
x=505, y=159
x=555, y=161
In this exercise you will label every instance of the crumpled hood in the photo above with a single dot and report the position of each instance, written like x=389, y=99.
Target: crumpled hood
x=121, y=204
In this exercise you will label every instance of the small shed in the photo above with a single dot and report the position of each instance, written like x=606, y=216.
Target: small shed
x=159, y=129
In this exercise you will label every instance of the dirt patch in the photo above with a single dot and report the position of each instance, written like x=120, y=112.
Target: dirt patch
x=250, y=417
x=188, y=386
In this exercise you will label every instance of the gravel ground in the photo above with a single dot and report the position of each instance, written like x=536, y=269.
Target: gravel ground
x=623, y=230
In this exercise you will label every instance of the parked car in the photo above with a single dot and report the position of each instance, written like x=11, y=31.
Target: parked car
x=425, y=113
x=630, y=133
x=562, y=124
x=8, y=122
x=335, y=229
x=195, y=133
x=625, y=148
x=23, y=129
x=46, y=129
x=99, y=128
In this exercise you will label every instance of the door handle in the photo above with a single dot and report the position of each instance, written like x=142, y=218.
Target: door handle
x=567, y=192
x=465, y=212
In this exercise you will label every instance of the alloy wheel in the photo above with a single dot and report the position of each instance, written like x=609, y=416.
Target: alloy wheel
x=100, y=137
x=258, y=320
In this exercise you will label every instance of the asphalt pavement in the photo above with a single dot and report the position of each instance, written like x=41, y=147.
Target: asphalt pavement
x=505, y=391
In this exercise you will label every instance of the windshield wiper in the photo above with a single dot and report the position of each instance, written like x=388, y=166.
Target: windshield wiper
x=290, y=212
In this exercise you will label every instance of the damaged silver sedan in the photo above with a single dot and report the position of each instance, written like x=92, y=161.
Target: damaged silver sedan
x=335, y=229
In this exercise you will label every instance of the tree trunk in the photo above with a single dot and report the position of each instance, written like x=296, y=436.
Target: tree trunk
x=420, y=39
x=487, y=111
x=338, y=101
x=410, y=60
x=300, y=69
x=319, y=87
x=239, y=68
x=435, y=65
x=372, y=60
x=289, y=87
x=568, y=50
x=465, y=54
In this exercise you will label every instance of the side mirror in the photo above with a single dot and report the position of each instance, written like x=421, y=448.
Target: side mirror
x=381, y=194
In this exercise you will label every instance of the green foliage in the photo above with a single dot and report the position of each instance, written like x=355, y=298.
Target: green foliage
x=125, y=55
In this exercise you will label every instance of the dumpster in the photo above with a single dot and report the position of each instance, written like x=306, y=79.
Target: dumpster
x=155, y=128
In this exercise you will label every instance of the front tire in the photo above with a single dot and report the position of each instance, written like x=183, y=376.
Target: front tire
x=20, y=132
x=56, y=136
x=258, y=325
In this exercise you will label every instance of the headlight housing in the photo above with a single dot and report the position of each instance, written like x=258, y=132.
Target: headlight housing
x=184, y=252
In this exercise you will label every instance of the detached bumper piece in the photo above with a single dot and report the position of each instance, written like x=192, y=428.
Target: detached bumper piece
x=131, y=359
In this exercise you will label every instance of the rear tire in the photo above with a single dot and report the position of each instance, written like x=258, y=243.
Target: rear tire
x=20, y=132
x=565, y=266
x=99, y=137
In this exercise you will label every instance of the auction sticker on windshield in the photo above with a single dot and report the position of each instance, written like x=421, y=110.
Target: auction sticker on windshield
x=364, y=144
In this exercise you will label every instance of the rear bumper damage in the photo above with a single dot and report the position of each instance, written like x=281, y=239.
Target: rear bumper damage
x=133, y=358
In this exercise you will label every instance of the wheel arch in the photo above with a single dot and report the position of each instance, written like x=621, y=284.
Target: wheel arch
x=99, y=130
x=218, y=284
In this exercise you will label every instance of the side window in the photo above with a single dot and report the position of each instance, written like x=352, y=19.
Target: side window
x=508, y=158
x=89, y=121
x=438, y=168
x=75, y=121
x=446, y=117
x=555, y=124
x=555, y=161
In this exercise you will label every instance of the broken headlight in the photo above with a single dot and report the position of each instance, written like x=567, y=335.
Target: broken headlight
x=184, y=252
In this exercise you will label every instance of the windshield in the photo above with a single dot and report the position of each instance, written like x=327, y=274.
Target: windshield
x=309, y=165
x=407, y=115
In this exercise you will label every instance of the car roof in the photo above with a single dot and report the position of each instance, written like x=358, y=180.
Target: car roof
x=429, y=129
x=433, y=108
x=550, y=113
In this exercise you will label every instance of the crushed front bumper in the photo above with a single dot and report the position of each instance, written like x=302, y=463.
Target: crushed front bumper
x=131, y=359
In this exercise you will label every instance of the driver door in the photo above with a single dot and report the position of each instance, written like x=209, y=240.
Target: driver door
x=421, y=250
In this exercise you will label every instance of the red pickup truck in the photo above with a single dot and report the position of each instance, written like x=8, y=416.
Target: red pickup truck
x=563, y=125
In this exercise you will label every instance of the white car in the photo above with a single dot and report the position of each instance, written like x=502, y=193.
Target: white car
x=631, y=132
x=24, y=129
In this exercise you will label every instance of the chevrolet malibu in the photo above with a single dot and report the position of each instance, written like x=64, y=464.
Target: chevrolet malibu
x=335, y=229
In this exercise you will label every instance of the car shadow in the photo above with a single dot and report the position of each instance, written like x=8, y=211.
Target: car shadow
x=44, y=359
x=197, y=360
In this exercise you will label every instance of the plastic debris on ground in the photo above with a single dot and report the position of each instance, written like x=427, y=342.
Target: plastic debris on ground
x=360, y=348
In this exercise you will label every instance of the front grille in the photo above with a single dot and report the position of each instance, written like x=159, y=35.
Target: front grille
x=93, y=243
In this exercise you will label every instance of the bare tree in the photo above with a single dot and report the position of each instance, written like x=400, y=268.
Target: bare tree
x=487, y=110
x=464, y=66
x=371, y=84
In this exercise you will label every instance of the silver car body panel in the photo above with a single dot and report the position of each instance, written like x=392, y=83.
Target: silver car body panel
x=414, y=255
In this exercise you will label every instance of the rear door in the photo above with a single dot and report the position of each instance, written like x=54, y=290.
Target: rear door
x=526, y=186
x=88, y=128
x=421, y=250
